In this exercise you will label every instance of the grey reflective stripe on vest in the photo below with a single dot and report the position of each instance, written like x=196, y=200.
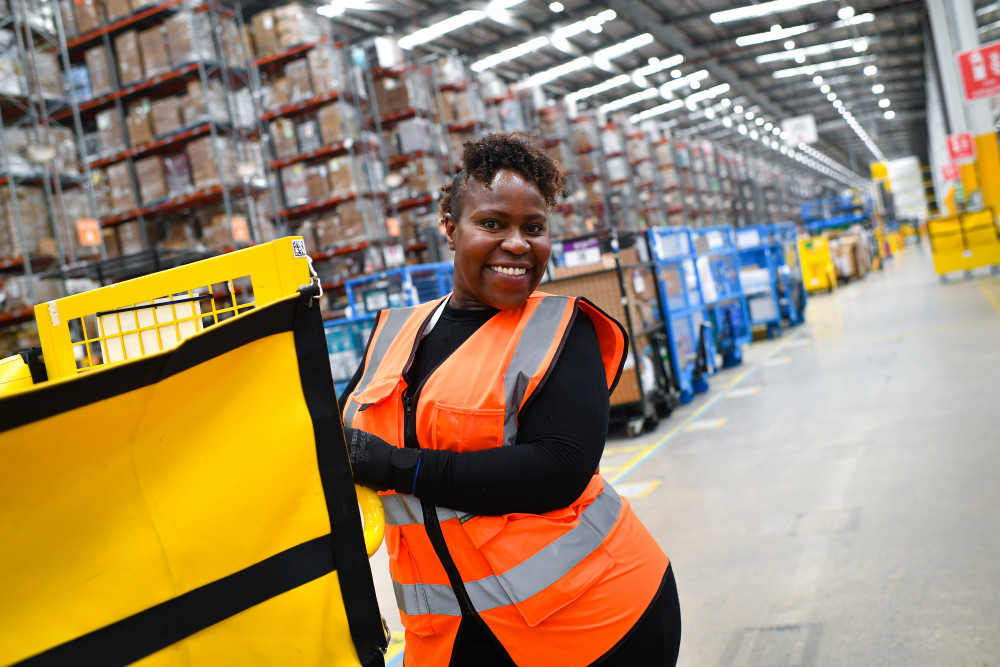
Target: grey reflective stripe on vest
x=402, y=509
x=393, y=325
x=536, y=340
x=522, y=581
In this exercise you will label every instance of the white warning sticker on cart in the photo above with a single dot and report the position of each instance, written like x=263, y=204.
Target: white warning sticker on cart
x=299, y=248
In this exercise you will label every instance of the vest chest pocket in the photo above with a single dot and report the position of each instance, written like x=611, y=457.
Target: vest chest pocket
x=467, y=430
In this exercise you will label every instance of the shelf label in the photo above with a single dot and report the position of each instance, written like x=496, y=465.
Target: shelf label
x=581, y=253
x=88, y=232
x=241, y=231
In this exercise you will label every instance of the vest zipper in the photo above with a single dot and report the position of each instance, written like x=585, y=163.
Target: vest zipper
x=431, y=523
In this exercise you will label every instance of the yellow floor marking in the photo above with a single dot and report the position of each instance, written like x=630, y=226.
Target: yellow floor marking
x=706, y=424
x=674, y=432
x=743, y=392
x=636, y=489
x=990, y=297
x=778, y=361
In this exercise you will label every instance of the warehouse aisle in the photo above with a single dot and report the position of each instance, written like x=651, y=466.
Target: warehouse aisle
x=832, y=501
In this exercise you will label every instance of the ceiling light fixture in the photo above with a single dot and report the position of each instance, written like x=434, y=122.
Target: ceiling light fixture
x=774, y=35
x=890, y=114
x=512, y=53
x=759, y=10
x=590, y=91
x=629, y=100
x=435, y=30
x=815, y=50
x=855, y=20
x=556, y=7
x=554, y=73
x=657, y=111
x=822, y=67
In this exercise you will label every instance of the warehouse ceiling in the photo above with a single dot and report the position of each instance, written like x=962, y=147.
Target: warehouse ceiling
x=857, y=66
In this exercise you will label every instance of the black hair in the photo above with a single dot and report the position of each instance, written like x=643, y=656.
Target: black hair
x=482, y=158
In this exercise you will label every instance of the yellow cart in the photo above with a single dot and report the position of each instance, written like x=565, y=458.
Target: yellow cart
x=179, y=491
x=818, y=270
x=964, y=242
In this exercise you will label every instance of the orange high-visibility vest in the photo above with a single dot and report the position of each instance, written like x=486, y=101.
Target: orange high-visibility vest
x=560, y=588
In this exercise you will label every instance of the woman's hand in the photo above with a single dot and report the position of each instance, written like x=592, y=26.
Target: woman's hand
x=378, y=465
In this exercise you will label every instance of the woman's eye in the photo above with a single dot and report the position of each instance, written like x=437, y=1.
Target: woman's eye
x=536, y=229
x=490, y=224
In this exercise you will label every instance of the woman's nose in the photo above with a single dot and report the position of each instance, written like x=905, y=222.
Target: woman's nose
x=515, y=242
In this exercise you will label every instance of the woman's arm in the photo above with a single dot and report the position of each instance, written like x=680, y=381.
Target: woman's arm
x=560, y=439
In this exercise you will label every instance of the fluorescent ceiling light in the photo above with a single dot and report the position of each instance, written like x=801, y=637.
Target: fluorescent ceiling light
x=854, y=20
x=657, y=111
x=584, y=93
x=774, y=35
x=603, y=57
x=554, y=73
x=817, y=50
x=338, y=7
x=822, y=67
x=435, y=30
x=660, y=65
x=667, y=89
x=890, y=114
x=510, y=54
x=710, y=93
x=629, y=100
x=574, y=29
x=758, y=10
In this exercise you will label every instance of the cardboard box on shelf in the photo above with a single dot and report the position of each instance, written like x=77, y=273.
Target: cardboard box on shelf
x=128, y=57
x=201, y=105
x=178, y=173
x=166, y=115
x=121, y=194
x=97, y=67
x=139, y=123
x=296, y=25
x=318, y=182
x=307, y=132
x=34, y=219
x=129, y=237
x=383, y=51
x=217, y=234
x=351, y=219
x=299, y=85
x=153, y=46
x=116, y=9
x=415, y=134
x=337, y=121
x=188, y=37
x=326, y=231
x=202, y=155
x=295, y=185
x=265, y=38
x=399, y=92
x=68, y=17
x=89, y=15
x=283, y=138
x=180, y=235
x=327, y=69
x=109, y=132
x=346, y=177
x=152, y=179
x=102, y=192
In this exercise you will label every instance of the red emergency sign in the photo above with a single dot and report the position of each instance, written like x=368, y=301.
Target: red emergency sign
x=961, y=147
x=980, y=70
x=951, y=172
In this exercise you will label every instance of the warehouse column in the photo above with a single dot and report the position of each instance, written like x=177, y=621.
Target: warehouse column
x=953, y=24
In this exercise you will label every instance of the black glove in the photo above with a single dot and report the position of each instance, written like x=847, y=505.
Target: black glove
x=377, y=464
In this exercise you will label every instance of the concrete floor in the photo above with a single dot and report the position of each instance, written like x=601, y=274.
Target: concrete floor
x=834, y=501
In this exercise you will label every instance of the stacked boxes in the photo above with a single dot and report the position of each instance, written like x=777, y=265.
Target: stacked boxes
x=189, y=38
x=109, y=132
x=153, y=47
x=127, y=54
x=139, y=123
x=297, y=81
x=283, y=138
x=277, y=29
x=100, y=75
x=116, y=9
x=328, y=70
x=166, y=115
x=152, y=179
x=89, y=15
x=122, y=197
x=201, y=105
x=177, y=170
x=400, y=92
x=34, y=216
x=337, y=121
x=202, y=155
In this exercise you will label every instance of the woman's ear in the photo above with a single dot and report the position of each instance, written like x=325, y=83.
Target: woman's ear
x=449, y=230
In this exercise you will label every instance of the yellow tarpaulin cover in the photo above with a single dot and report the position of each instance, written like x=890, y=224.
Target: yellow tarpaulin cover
x=193, y=507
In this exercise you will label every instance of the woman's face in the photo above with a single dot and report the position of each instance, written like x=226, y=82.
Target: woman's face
x=501, y=242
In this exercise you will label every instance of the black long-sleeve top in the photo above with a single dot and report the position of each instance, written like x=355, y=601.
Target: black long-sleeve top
x=560, y=436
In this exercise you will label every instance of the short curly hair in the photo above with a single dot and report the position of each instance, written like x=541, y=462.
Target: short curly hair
x=482, y=158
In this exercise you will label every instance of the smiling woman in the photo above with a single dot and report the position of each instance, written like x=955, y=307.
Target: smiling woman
x=482, y=418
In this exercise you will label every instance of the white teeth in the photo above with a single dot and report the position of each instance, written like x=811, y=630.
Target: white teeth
x=509, y=270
